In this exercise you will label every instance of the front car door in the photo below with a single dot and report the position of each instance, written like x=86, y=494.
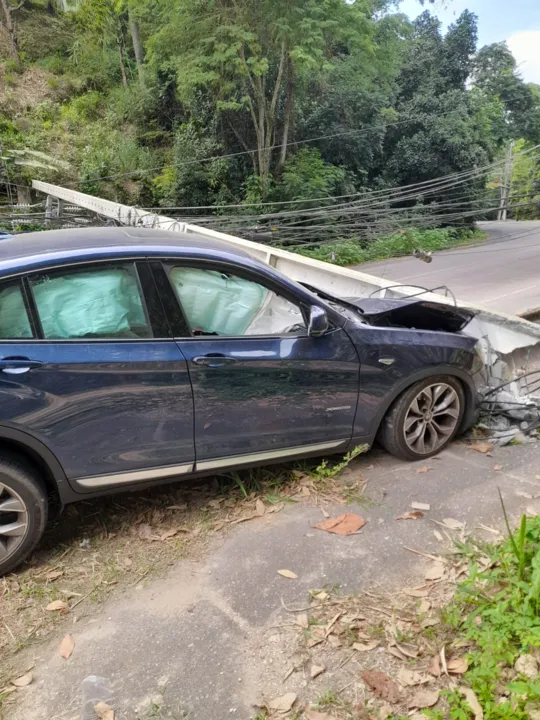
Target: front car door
x=88, y=367
x=263, y=389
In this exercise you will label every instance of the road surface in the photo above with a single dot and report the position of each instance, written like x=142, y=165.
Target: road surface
x=502, y=274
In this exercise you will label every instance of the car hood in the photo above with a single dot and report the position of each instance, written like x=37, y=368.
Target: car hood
x=412, y=312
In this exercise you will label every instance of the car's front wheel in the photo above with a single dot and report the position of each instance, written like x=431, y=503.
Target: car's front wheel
x=424, y=419
x=23, y=511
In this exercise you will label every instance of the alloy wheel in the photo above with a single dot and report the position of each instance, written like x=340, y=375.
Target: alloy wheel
x=431, y=418
x=13, y=521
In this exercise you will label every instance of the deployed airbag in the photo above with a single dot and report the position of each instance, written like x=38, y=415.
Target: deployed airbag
x=215, y=302
x=103, y=303
x=14, y=321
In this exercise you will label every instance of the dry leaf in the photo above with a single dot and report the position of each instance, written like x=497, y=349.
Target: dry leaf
x=420, y=506
x=424, y=607
x=382, y=685
x=442, y=656
x=316, y=670
x=482, y=447
x=424, y=699
x=409, y=678
x=316, y=715
x=423, y=469
x=303, y=621
x=54, y=574
x=472, y=700
x=457, y=666
x=498, y=467
x=104, y=711
x=407, y=649
x=522, y=494
x=334, y=641
x=438, y=536
x=324, y=513
x=166, y=534
x=288, y=574
x=23, y=681
x=260, y=508
x=57, y=605
x=66, y=647
x=283, y=703
x=396, y=652
x=434, y=667
x=342, y=525
x=414, y=515
x=453, y=524
x=416, y=592
x=435, y=572
x=366, y=647
x=429, y=622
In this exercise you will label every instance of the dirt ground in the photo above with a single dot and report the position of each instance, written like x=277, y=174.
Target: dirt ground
x=220, y=600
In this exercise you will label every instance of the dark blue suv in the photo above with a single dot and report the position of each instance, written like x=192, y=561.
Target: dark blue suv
x=129, y=357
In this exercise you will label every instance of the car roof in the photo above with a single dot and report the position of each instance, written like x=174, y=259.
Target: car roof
x=37, y=249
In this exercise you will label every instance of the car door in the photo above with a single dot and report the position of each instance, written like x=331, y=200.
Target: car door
x=262, y=388
x=87, y=365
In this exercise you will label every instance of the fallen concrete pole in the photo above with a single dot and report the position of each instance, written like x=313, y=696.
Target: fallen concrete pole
x=508, y=344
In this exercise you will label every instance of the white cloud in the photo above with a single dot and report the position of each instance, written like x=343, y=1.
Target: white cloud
x=525, y=47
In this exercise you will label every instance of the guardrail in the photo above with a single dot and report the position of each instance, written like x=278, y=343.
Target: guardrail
x=507, y=342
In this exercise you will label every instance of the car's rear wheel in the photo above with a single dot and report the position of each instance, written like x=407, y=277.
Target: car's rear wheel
x=424, y=419
x=23, y=511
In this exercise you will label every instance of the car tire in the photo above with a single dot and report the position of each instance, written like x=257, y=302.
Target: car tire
x=23, y=511
x=424, y=418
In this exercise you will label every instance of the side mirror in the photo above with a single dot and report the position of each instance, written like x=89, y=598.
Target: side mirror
x=318, y=321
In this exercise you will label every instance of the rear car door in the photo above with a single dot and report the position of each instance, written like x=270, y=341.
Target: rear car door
x=87, y=365
x=263, y=389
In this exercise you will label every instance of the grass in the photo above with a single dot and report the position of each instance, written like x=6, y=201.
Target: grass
x=497, y=611
x=356, y=252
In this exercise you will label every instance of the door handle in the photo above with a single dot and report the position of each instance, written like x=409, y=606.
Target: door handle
x=18, y=365
x=214, y=360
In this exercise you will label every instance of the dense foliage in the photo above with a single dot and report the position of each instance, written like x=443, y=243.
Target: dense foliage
x=211, y=103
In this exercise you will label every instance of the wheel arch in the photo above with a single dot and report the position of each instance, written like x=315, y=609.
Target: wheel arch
x=466, y=380
x=21, y=443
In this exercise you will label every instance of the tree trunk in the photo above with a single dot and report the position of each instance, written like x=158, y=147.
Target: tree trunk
x=9, y=24
x=135, y=33
x=289, y=105
x=24, y=194
x=122, y=63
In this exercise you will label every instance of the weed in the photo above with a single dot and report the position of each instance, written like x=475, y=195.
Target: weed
x=496, y=609
x=327, y=470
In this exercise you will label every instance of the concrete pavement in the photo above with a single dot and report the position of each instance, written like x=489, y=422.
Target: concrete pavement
x=502, y=274
x=210, y=627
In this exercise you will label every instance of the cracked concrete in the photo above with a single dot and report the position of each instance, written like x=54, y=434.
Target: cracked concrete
x=210, y=626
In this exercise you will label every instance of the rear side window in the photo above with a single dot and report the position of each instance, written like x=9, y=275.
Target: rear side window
x=14, y=320
x=97, y=303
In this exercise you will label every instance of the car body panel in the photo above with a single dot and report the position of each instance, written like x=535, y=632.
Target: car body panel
x=103, y=407
x=393, y=358
x=274, y=393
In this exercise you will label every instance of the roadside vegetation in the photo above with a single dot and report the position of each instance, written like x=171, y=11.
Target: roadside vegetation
x=228, y=115
x=353, y=252
x=463, y=645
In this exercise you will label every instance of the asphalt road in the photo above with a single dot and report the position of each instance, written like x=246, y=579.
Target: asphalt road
x=502, y=274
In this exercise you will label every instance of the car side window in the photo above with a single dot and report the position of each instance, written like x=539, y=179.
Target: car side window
x=94, y=303
x=14, y=320
x=221, y=303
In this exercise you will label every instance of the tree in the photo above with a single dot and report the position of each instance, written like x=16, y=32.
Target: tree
x=9, y=24
x=495, y=72
x=251, y=56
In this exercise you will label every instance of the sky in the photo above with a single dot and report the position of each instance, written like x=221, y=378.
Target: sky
x=516, y=21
